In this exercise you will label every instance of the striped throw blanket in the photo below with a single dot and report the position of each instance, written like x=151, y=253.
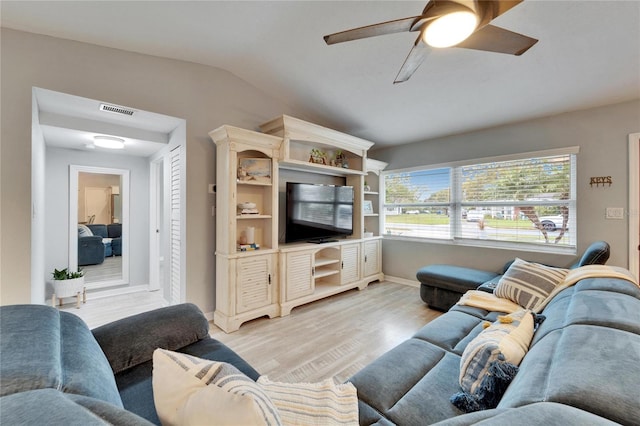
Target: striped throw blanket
x=323, y=403
x=490, y=302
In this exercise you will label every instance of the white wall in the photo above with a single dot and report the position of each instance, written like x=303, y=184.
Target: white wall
x=206, y=97
x=57, y=207
x=601, y=133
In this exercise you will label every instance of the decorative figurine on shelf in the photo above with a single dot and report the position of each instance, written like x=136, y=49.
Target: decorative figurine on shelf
x=341, y=159
x=367, y=188
x=318, y=157
x=242, y=173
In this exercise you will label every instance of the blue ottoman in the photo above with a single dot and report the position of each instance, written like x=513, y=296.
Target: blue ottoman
x=441, y=286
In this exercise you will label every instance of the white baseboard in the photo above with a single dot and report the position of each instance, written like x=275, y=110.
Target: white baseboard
x=404, y=281
x=117, y=292
x=208, y=316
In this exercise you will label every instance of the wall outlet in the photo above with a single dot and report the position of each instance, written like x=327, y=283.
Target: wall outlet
x=614, y=213
x=212, y=188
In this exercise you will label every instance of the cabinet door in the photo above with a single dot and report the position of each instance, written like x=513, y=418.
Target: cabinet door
x=253, y=282
x=299, y=275
x=350, y=263
x=371, y=258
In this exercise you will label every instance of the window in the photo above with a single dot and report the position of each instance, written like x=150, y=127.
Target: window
x=514, y=201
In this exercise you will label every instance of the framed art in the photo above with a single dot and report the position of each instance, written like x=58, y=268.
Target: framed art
x=255, y=170
x=367, y=207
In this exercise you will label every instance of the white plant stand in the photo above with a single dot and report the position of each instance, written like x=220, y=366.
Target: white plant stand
x=69, y=288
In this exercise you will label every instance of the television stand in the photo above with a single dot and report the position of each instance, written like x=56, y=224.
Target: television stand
x=322, y=241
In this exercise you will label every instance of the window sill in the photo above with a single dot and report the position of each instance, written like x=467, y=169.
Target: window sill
x=497, y=245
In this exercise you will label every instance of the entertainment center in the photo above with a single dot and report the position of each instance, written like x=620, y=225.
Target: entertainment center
x=257, y=274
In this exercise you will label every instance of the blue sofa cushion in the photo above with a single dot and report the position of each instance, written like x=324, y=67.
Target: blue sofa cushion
x=99, y=229
x=51, y=407
x=135, y=384
x=585, y=354
x=542, y=413
x=114, y=230
x=182, y=325
x=42, y=347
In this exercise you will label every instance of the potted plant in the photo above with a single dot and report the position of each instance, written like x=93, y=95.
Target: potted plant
x=317, y=156
x=68, y=284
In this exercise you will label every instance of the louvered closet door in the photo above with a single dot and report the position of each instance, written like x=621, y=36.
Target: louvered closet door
x=175, y=240
x=371, y=258
x=299, y=275
x=350, y=263
x=253, y=282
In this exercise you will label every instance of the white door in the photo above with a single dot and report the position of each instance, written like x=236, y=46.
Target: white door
x=634, y=203
x=253, y=282
x=98, y=205
x=350, y=271
x=176, y=195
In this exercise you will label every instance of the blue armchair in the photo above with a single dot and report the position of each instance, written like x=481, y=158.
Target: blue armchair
x=90, y=248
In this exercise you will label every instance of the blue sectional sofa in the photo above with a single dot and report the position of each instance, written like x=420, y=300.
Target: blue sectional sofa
x=583, y=366
x=54, y=370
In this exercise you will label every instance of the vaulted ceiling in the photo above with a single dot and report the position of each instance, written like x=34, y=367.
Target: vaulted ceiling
x=588, y=55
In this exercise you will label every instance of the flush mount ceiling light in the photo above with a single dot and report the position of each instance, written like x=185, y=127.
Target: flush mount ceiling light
x=109, y=142
x=450, y=29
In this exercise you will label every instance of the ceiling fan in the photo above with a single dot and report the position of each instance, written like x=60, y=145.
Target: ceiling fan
x=447, y=23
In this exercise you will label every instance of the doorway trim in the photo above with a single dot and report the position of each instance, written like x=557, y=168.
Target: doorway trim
x=634, y=203
x=74, y=171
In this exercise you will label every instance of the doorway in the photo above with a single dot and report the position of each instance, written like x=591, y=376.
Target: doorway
x=67, y=140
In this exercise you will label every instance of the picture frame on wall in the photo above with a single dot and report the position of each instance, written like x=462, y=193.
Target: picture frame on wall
x=254, y=170
x=367, y=207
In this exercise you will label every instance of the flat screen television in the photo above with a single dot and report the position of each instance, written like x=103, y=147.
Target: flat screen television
x=318, y=213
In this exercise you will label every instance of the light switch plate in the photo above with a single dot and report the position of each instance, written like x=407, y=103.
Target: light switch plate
x=614, y=213
x=212, y=188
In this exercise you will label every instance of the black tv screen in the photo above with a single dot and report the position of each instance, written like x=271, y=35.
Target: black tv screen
x=317, y=213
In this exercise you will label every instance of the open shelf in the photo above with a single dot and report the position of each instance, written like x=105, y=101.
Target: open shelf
x=320, y=261
x=321, y=273
x=253, y=216
x=305, y=166
x=244, y=182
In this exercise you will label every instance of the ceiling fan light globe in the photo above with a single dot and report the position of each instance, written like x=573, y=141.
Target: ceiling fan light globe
x=450, y=29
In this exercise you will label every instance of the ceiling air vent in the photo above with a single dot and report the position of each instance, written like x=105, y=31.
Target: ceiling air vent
x=116, y=109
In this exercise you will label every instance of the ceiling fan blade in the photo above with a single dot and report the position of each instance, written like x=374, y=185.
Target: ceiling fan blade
x=417, y=55
x=488, y=10
x=496, y=39
x=499, y=7
x=390, y=27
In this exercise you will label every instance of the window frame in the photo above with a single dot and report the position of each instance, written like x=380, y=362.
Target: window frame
x=456, y=203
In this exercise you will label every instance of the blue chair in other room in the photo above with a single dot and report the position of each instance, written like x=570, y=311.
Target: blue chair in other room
x=91, y=250
x=114, y=231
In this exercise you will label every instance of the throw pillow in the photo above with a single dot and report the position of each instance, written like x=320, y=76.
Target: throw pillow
x=528, y=284
x=84, y=231
x=323, y=403
x=192, y=391
x=489, y=362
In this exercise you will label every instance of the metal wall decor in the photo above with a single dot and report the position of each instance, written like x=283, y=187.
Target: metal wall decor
x=600, y=180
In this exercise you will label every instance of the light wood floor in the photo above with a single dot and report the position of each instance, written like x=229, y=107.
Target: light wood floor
x=100, y=311
x=333, y=337
x=109, y=270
